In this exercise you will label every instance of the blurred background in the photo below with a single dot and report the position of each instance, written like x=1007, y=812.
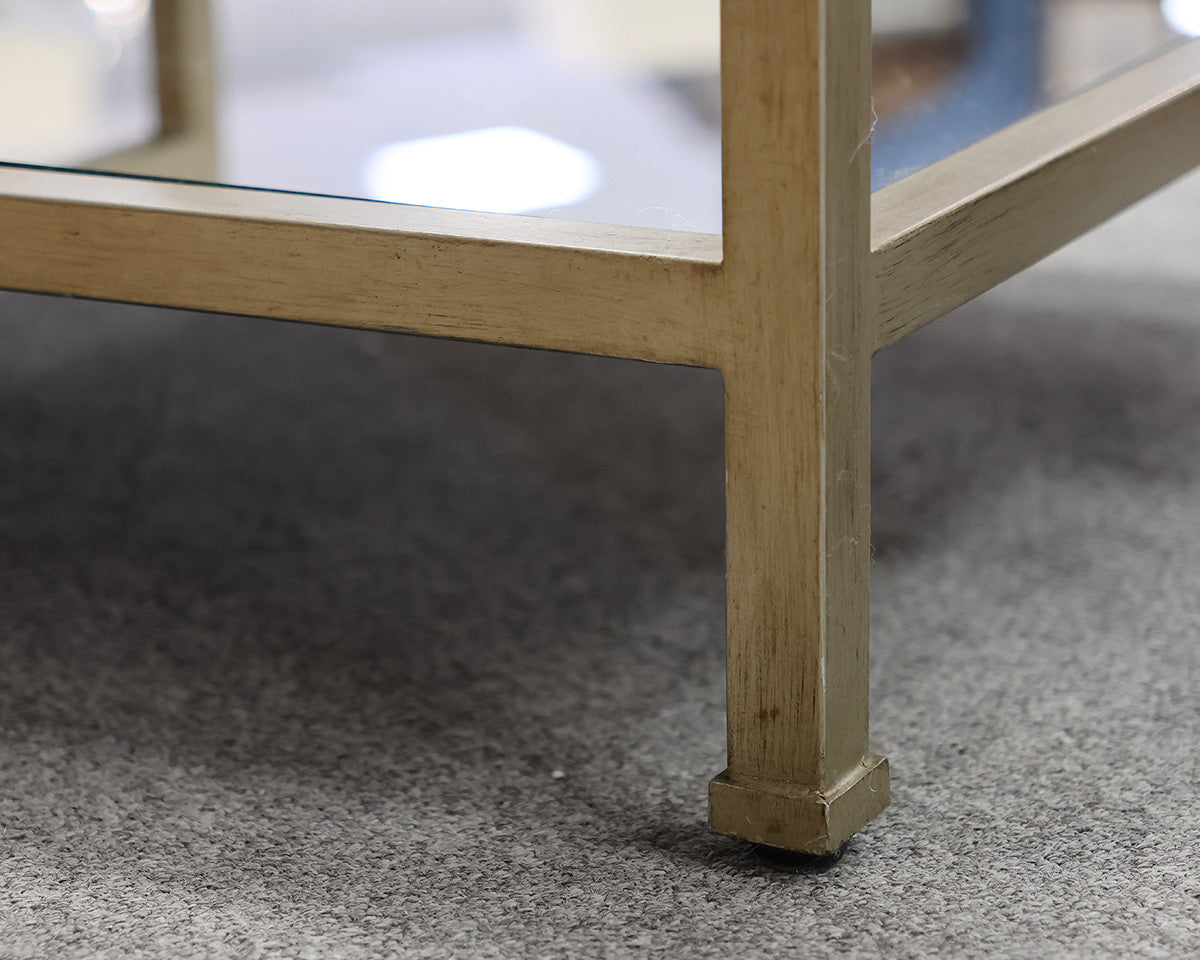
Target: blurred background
x=600, y=110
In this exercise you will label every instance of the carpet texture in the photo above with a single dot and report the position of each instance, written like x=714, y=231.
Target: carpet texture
x=318, y=643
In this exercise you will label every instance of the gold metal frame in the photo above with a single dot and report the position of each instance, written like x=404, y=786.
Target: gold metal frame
x=811, y=275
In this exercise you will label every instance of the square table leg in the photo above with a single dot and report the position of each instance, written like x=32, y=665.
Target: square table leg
x=796, y=102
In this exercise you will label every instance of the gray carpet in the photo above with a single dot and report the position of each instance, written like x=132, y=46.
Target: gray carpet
x=320, y=643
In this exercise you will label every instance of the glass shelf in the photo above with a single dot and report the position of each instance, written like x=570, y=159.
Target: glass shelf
x=594, y=110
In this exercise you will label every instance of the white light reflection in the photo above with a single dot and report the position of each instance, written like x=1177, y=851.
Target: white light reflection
x=498, y=170
x=120, y=19
x=1183, y=16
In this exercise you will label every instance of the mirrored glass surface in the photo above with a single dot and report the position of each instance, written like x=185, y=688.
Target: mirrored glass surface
x=600, y=110
x=569, y=108
x=950, y=72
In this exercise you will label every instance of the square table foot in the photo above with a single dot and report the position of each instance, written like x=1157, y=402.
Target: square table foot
x=794, y=818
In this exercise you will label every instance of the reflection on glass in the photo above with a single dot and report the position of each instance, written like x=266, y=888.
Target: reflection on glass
x=600, y=110
x=405, y=101
x=1183, y=16
x=500, y=170
x=950, y=72
x=76, y=78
